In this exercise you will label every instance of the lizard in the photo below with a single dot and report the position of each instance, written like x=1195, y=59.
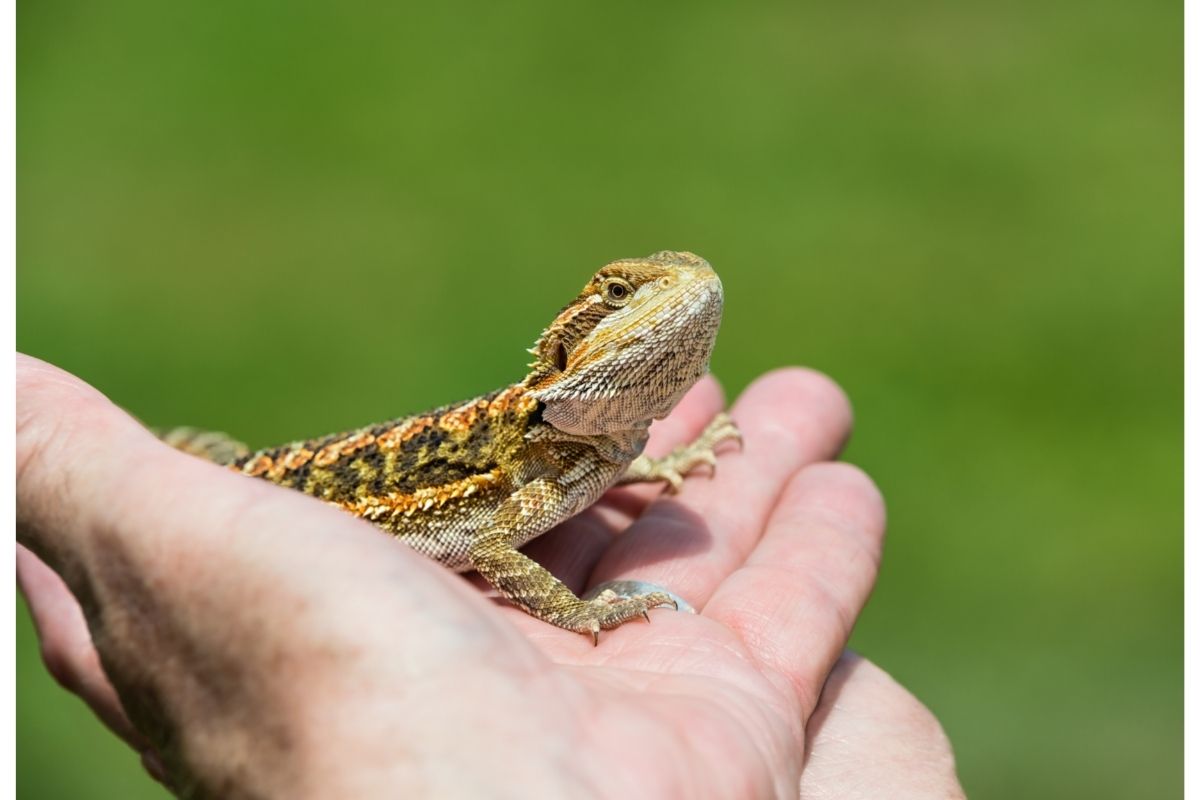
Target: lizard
x=468, y=484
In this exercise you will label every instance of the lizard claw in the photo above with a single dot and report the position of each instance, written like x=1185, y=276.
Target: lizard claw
x=674, y=480
x=618, y=590
x=604, y=608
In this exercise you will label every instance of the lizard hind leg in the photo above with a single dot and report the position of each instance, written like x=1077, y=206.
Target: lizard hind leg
x=674, y=466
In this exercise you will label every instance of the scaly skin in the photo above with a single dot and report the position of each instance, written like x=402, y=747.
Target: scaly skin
x=468, y=484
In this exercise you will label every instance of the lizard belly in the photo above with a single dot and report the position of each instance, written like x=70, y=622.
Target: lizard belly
x=446, y=534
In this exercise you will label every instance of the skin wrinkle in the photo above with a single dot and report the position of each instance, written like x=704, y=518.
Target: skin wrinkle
x=69, y=563
x=630, y=718
x=121, y=631
x=867, y=548
x=67, y=649
x=428, y=677
x=744, y=622
x=728, y=726
x=211, y=686
x=43, y=450
x=36, y=378
x=901, y=733
x=238, y=514
x=433, y=680
x=828, y=594
x=36, y=444
x=578, y=717
x=537, y=678
x=687, y=673
x=831, y=594
x=762, y=651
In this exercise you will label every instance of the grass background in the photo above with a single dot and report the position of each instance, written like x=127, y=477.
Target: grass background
x=280, y=219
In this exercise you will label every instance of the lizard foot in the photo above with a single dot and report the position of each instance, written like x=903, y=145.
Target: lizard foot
x=602, y=608
x=683, y=459
x=634, y=588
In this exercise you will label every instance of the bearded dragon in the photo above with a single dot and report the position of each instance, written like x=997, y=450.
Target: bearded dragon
x=468, y=484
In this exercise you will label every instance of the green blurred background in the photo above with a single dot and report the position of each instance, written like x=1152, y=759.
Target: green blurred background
x=280, y=219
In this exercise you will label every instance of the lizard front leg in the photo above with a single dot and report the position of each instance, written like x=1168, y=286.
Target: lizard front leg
x=529, y=585
x=683, y=459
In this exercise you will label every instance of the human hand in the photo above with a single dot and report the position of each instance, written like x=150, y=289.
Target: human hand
x=220, y=608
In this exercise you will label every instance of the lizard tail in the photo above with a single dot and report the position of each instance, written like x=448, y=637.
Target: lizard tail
x=218, y=447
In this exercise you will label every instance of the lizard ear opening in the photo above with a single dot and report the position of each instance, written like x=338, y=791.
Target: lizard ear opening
x=560, y=356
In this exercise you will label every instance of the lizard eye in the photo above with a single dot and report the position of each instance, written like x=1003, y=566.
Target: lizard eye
x=617, y=292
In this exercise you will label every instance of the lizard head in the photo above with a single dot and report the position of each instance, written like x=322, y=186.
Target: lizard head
x=625, y=351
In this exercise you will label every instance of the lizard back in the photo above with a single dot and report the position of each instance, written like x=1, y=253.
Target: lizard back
x=418, y=477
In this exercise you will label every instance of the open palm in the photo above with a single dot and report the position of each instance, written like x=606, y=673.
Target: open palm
x=264, y=643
